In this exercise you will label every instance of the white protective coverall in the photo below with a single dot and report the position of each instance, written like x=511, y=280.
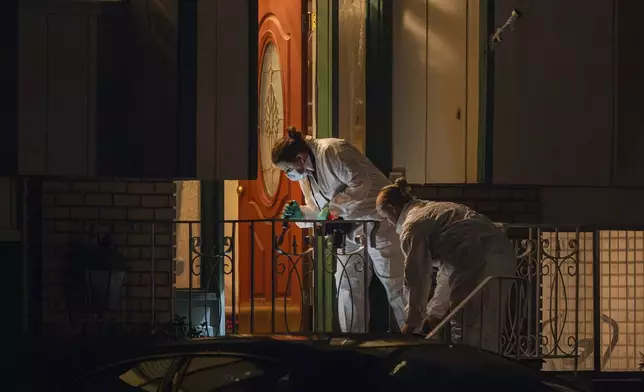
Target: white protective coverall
x=470, y=248
x=340, y=175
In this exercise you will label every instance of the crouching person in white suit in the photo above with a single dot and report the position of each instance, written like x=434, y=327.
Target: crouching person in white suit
x=470, y=248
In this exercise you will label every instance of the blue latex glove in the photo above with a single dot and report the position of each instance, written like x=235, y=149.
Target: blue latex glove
x=292, y=210
x=324, y=214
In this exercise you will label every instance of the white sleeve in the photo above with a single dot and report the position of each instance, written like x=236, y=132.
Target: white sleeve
x=346, y=165
x=418, y=275
x=439, y=304
x=309, y=209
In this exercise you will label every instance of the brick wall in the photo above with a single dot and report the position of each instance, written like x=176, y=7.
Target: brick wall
x=499, y=203
x=127, y=212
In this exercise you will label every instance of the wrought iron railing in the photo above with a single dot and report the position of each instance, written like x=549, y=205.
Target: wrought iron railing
x=577, y=303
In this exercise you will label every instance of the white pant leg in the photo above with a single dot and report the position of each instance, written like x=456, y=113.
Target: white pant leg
x=501, y=262
x=389, y=266
x=352, y=277
x=476, y=322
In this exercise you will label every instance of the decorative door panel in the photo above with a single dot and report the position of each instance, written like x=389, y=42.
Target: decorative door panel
x=280, y=105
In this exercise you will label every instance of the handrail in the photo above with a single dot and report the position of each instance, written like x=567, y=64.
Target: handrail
x=611, y=346
x=465, y=301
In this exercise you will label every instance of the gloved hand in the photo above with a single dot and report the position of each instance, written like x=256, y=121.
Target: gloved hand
x=429, y=324
x=324, y=214
x=407, y=329
x=292, y=210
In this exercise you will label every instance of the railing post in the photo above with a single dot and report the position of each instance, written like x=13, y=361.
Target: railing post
x=324, y=308
x=597, y=366
x=252, y=277
x=273, y=274
x=212, y=236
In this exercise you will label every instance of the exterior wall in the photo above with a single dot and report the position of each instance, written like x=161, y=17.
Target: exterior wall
x=501, y=204
x=126, y=210
x=8, y=210
x=582, y=205
x=549, y=205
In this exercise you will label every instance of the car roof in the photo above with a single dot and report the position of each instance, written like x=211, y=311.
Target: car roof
x=394, y=351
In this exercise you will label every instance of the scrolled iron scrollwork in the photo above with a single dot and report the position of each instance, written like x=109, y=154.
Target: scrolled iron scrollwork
x=545, y=265
x=213, y=261
x=558, y=263
x=214, y=257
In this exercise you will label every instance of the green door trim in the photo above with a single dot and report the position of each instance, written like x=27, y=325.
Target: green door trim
x=327, y=68
x=486, y=94
x=327, y=126
x=378, y=80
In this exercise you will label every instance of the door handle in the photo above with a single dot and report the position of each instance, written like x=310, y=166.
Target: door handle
x=240, y=190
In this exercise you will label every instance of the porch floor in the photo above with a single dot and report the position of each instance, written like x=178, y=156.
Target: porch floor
x=287, y=319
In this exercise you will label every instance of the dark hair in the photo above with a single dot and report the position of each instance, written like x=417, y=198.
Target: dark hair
x=287, y=148
x=396, y=194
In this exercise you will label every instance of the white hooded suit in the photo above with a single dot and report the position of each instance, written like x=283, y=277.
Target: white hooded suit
x=342, y=177
x=470, y=248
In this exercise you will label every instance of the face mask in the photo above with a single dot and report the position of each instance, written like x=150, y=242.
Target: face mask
x=295, y=176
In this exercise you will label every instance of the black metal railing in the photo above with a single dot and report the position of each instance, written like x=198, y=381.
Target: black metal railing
x=577, y=300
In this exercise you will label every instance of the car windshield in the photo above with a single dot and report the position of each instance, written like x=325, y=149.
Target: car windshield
x=193, y=373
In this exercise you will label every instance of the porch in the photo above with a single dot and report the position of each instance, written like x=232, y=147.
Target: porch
x=577, y=303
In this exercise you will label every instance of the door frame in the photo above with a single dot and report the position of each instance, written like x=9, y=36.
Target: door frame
x=378, y=81
x=486, y=93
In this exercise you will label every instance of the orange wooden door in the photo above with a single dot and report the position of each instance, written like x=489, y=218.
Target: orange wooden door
x=280, y=104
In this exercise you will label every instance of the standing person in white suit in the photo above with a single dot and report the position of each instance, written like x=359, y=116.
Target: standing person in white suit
x=335, y=177
x=470, y=248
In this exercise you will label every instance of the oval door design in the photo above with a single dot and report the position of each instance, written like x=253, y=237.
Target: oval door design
x=271, y=116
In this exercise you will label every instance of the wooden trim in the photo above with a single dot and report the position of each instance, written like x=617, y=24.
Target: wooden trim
x=212, y=236
x=253, y=92
x=187, y=52
x=378, y=80
x=9, y=88
x=327, y=126
x=486, y=94
x=327, y=68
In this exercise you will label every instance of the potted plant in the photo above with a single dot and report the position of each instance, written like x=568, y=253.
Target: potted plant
x=178, y=330
x=642, y=361
x=104, y=270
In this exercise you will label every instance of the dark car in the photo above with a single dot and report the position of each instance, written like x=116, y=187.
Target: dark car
x=293, y=363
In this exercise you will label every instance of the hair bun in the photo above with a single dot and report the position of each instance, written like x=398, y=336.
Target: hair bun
x=293, y=133
x=401, y=182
